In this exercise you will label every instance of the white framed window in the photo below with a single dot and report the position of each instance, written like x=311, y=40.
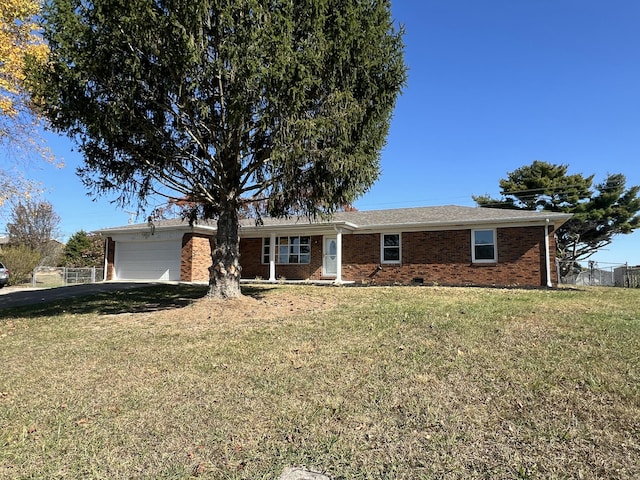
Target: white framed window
x=390, y=248
x=288, y=250
x=483, y=246
x=266, y=249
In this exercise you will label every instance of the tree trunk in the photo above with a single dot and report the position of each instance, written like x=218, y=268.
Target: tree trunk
x=224, y=273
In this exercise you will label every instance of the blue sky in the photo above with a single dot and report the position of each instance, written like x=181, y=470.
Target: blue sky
x=493, y=85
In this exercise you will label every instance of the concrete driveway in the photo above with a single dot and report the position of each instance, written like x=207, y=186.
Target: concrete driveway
x=20, y=297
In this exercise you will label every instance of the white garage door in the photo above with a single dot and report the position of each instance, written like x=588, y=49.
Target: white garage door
x=148, y=260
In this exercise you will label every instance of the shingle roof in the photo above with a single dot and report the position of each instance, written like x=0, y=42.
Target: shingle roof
x=448, y=215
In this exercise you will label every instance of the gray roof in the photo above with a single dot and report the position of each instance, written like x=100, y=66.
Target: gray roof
x=441, y=215
x=413, y=218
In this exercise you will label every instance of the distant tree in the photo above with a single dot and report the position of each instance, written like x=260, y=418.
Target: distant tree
x=225, y=103
x=599, y=212
x=349, y=208
x=34, y=224
x=20, y=44
x=84, y=250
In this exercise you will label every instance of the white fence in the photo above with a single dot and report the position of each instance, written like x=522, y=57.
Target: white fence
x=59, y=276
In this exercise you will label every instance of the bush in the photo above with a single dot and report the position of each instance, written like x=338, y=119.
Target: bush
x=20, y=261
x=84, y=250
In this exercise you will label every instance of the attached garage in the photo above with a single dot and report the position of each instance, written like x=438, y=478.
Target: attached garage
x=170, y=251
x=145, y=254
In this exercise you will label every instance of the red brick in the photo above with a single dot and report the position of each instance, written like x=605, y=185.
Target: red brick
x=436, y=257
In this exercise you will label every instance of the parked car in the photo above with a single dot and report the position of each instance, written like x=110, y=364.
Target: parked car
x=4, y=276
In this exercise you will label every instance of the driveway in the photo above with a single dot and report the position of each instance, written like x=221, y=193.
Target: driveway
x=20, y=297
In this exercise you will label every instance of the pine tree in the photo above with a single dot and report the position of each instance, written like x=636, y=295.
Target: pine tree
x=84, y=250
x=230, y=104
x=599, y=213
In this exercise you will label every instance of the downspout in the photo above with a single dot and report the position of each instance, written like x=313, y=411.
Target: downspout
x=547, y=257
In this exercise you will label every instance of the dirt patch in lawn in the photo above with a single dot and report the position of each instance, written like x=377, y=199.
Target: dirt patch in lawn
x=287, y=304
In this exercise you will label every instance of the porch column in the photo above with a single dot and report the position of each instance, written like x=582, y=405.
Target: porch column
x=338, y=255
x=547, y=254
x=272, y=258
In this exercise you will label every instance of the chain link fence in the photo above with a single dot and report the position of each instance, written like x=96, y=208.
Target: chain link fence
x=627, y=276
x=44, y=277
x=599, y=274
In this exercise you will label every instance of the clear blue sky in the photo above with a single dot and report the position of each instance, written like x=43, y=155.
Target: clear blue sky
x=493, y=85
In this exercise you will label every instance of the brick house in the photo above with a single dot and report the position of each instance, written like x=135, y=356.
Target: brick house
x=449, y=245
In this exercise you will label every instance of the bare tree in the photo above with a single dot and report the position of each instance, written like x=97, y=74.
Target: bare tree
x=34, y=224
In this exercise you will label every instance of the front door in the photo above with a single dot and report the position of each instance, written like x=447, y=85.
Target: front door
x=330, y=257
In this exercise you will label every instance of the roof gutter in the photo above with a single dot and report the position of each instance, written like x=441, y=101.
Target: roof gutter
x=154, y=228
x=299, y=227
x=517, y=221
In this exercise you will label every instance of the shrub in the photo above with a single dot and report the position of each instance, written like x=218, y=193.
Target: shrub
x=20, y=261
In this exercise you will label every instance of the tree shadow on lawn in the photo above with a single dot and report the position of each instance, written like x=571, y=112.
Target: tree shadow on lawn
x=145, y=299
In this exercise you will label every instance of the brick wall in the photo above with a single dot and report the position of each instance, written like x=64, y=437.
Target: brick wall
x=111, y=255
x=445, y=258
x=441, y=257
x=195, y=258
x=251, y=257
x=435, y=257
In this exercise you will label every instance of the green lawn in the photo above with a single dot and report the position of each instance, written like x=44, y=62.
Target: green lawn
x=360, y=383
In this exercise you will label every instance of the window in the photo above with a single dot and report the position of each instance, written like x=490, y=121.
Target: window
x=266, y=249
x=390, y=248
x=296, y=250
x=483, y=246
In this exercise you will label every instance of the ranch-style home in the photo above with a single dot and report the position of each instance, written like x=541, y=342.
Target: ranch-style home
x=448, y=245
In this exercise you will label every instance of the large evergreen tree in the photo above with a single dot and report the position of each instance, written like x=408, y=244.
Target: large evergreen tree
x=225, y=103
x=599, y=212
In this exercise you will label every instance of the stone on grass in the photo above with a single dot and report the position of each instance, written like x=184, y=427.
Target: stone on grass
x=298, y=473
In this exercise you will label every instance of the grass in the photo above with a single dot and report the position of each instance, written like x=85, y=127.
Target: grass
x=50, y=280
x=360, y=383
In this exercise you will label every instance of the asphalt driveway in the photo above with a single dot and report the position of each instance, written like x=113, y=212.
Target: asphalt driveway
x=20, y=297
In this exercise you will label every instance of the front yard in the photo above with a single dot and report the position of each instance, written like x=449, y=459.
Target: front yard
x=360, y=383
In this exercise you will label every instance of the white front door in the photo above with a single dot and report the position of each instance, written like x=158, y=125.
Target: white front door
x=330, y=257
